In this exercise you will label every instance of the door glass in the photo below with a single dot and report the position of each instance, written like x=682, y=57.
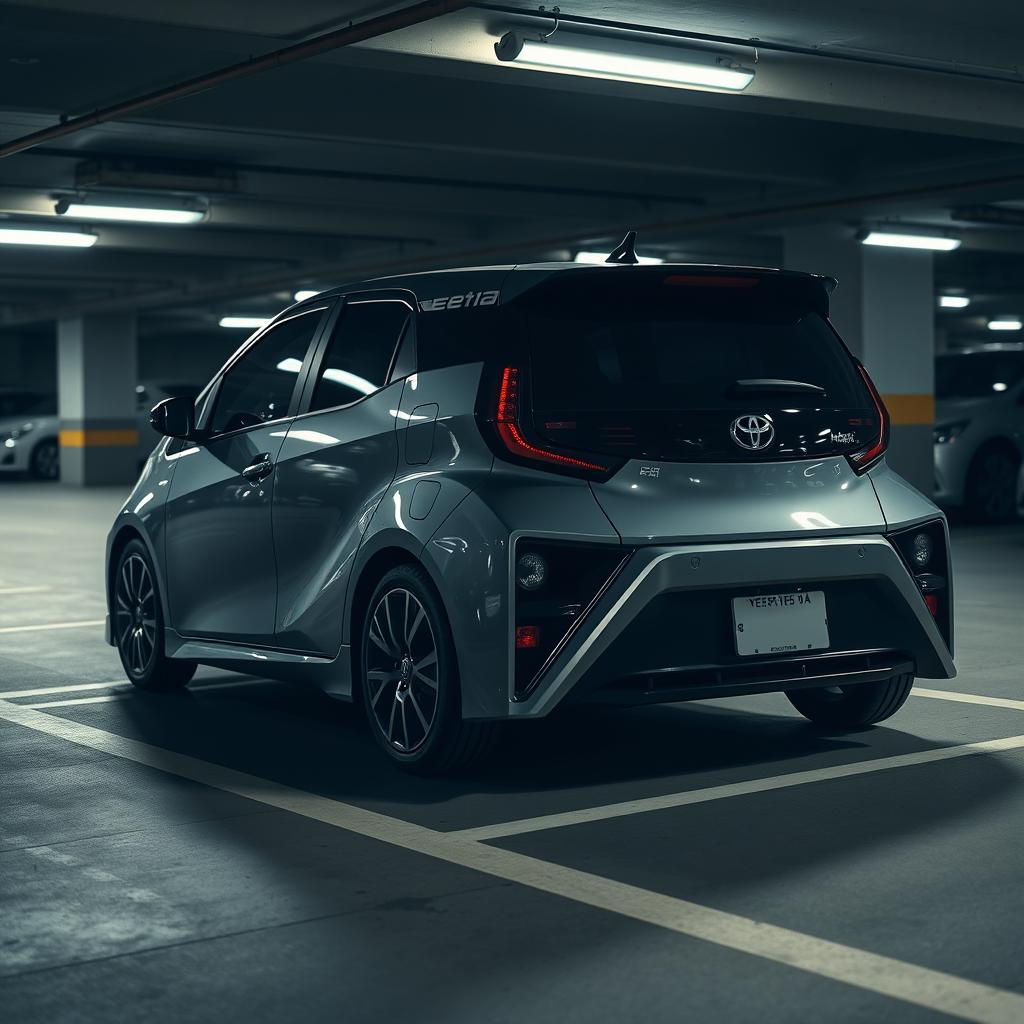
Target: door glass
x=359, y=353
x=259, y=386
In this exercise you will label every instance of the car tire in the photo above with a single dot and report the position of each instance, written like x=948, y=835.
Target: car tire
x=137, y=624
x=44, y=462
x=992, y=485
x=409, y=679
x=853, y=707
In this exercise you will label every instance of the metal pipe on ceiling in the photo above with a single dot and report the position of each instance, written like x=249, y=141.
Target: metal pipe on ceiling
x=369, y=29
x=1011, y=75
x=829, y=207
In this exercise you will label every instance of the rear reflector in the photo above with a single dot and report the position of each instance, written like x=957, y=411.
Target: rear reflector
x=932, y=600
x=527, y=636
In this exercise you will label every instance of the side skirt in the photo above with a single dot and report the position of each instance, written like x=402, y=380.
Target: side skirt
x=332, y=675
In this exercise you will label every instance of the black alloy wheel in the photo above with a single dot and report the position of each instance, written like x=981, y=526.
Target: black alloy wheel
x=44, y=463
x=137, y=624
x=409, y=678
x=401, y=670
x=135, y=615
x=992, y=486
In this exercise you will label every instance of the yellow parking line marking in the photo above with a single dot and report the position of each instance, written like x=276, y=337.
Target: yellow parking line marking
x=51, y=625
x=969, y=698
x=103, y=699
x=40, y=691
x=921, y=986
x=700, y=796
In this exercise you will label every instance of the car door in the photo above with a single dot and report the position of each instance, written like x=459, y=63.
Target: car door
x=221, y=573
x=337, y=462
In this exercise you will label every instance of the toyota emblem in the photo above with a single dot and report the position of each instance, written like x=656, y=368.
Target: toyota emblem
x=754, y=433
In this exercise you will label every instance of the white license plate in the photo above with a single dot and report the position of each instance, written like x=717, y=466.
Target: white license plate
x=780, y=623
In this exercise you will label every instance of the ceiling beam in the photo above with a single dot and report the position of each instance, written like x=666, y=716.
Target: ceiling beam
x=362, y=32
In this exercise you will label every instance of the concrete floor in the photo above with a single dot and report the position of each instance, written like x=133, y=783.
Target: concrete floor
x=143, y=876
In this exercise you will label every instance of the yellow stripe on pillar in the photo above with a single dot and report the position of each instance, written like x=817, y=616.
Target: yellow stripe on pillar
x=910, y=410
x=98, y=438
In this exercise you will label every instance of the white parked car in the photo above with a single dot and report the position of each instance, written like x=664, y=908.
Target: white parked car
x=30, y=427
x=28, y=433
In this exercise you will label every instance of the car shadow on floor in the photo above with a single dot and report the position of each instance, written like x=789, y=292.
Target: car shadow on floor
x=297, y=737
x=580, y=757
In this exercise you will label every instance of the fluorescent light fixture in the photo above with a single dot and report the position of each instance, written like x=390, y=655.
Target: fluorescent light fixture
x=1004, y=325
x=249, y=323
x=301, y=296
x=622, y=59
x=132, y=208
x=954, y=301
x=900, y=240
x=43, y=236
x=290, y=365
x=602, y=257
x=137, y=214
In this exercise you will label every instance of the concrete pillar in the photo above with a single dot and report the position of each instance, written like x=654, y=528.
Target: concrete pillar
x=96, y=380
x=884, y=308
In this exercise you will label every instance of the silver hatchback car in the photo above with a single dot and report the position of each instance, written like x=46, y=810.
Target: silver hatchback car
x=465, y=497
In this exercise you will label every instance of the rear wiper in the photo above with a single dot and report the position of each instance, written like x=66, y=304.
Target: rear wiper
x=771, y=386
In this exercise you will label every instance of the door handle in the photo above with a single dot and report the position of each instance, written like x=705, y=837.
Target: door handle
x=260, y=467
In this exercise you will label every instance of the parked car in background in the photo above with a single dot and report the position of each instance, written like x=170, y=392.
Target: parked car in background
x=30, y=427
x=979, y=431
x=28, y=433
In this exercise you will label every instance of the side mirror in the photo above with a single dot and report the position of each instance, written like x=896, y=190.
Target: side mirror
x=174, y=417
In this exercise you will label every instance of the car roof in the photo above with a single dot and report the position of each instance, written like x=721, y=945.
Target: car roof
x=512, y=280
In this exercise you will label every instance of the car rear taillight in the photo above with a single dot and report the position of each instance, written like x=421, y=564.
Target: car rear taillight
x=509, y=425
x=870, y=454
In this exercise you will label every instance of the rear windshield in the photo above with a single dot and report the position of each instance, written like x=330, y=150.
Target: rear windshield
x=977, y=374
x=682, y=362
x=663, y=369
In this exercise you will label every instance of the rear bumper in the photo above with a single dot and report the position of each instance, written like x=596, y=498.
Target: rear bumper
x=662, y=631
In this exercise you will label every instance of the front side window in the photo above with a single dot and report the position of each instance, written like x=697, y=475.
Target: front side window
x=259, y=387
x=360, y=351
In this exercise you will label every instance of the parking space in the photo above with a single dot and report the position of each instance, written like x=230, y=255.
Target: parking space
x=710, y=857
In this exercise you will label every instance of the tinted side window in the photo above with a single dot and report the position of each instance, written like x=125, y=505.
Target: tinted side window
x=259, y=386
x=359, y=353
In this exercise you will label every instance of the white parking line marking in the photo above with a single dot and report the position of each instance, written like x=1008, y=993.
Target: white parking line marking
x=102, y=699
x=39, y=691
x=700, y=796
x=51, y=625
x=969, y=698
x=196, y=687
x=35, y=589
x=944, y=993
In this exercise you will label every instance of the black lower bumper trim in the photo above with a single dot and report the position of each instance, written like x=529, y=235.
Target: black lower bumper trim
x=669, y=685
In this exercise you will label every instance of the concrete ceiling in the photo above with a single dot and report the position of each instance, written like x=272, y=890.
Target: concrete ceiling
x=419, y=150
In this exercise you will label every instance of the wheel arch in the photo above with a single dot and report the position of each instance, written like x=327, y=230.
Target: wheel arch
x=999, y=442
x=125, y=534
